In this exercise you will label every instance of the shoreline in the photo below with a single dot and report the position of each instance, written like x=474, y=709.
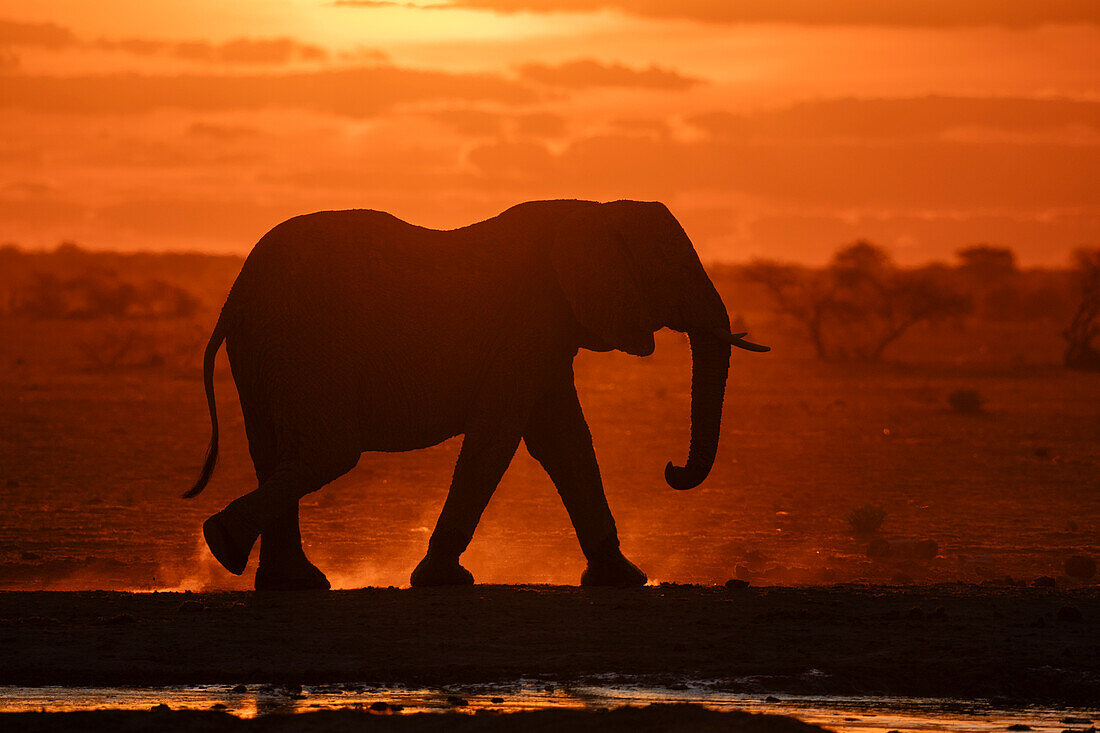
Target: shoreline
x=1028, y=645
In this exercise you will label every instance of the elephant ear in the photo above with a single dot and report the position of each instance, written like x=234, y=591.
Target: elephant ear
x=596, y=274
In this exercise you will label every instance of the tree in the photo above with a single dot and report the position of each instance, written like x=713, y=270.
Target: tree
x=986, y=263
x=860, y=303
x=1085, y=325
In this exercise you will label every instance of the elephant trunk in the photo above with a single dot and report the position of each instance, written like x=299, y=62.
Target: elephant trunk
x=710, y=361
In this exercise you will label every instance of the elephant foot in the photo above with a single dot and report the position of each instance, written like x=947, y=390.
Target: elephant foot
x=432, y=572
x=230, y=536
x=299, y=575
x=615, y=571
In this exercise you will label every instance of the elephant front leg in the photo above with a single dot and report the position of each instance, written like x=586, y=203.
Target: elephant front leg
x=557, y=436
x=481, y=464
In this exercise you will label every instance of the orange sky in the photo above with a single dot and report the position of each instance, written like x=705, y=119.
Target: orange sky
x=776, y=129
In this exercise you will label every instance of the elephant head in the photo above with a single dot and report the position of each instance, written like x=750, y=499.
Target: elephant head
x=627, y=270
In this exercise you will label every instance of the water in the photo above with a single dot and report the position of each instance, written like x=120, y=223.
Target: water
x=863, y=714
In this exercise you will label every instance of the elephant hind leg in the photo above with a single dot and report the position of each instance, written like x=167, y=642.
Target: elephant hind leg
x=283, y=562
x=231, y=533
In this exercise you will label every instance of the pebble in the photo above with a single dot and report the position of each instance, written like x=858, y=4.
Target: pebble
x=191, y=607
x=1070, y=613
x=239, y=688
x=496, y=700
x=161, y=708
x=734, y=583
x=1019, y=726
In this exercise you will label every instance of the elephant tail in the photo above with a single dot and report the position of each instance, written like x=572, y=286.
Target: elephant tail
x=215, y=343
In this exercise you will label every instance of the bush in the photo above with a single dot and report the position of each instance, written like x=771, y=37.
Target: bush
x=102, y=296
x=1081, y=353
x=965, y=400
x=866, y=519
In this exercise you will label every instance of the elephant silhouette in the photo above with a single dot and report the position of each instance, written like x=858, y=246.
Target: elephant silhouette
x=354, y=331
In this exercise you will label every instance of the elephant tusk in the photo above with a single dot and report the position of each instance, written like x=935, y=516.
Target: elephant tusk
x=738, y=340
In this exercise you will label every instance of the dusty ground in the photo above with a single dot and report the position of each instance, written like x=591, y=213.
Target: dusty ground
x=92, y=463
x=1022, y=644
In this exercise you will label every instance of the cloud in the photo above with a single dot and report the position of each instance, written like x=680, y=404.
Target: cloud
x=50, y=35
x=921, y=13
x=479, y=123
x=541, y=124
x=256, y=51
x=869, y=119
x=585, y=73
x=830, y=173
x=234, y=51
x=223, y=133
x=358, y=92
x=472, y=122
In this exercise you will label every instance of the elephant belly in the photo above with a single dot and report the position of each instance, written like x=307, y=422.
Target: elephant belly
x=328, y=400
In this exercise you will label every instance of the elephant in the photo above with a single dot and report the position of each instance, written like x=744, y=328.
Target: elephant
x=354, y=331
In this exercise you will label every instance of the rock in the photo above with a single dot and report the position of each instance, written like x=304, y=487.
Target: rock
x=219, y=706
x=1080, y=566
x=456, y=701
x=771, y=698
x=161, y=708
x=1074, y=720
x=379, y=707
x=735, y=583
x=496, y=700
x=1071, y=614
x=1044, y=581
x=239, y=688
x=1019, y=726
x=191, y=607
x=26, y=556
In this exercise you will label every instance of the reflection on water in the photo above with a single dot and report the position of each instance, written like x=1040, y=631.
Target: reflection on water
x=864, y=714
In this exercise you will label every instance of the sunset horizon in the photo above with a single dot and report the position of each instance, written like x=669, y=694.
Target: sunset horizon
x=773, y=130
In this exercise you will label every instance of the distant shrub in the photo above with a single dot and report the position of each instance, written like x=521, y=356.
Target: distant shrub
x=1081, y=352
x=866, y=519
x=110, y=345
x=102, y=296
x=965, y=400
